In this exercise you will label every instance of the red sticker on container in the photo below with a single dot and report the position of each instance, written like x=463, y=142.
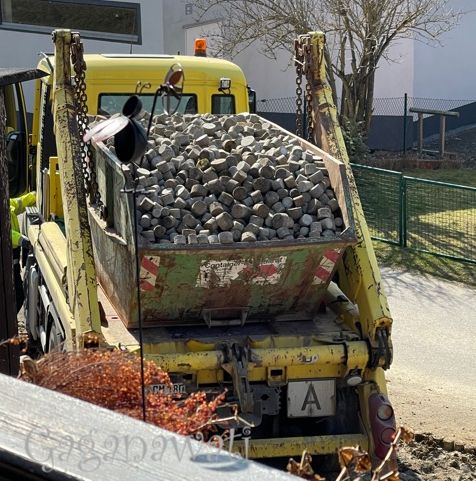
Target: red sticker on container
x=326, y=267
x=148, y=272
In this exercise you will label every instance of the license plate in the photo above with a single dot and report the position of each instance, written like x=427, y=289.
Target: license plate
x=175, y=388
x=312, y=398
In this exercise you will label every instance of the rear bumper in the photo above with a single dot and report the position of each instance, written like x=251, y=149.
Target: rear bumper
x=352, y=355
x=284, y=447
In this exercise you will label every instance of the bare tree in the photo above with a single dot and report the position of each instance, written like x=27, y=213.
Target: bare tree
x=359, y=33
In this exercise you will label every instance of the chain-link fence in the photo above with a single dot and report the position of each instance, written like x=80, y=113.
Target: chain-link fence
x=285, y=105
x=424, y=215
x=391, y=106
x=393, y=126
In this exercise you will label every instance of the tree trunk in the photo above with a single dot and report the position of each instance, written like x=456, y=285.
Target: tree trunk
x=369, y=101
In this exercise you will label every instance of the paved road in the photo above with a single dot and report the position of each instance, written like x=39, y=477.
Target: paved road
x=432, y=379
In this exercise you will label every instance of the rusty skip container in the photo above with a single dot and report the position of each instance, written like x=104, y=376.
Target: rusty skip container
x=213, y=284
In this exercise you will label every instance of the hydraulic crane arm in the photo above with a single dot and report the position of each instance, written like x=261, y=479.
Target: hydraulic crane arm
x=359, y=274
x=82, y=286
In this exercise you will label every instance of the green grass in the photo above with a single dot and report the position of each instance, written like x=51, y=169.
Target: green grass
x=411, y=260
x=440, y=219
x=451, y=232
x=452, y=176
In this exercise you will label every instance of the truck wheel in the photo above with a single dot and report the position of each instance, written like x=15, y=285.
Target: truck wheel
x=55, y=339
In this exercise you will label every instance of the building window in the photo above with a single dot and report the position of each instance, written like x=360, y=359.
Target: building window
x=98, y=19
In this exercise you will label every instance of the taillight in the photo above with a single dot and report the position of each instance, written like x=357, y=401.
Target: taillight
x=385, y=412
x=387, y=435
x=382, y=421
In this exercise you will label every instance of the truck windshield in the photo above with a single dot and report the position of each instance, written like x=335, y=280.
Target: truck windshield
x=110, y=104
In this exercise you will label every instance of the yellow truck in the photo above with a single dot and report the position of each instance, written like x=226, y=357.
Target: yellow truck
x=297, y=332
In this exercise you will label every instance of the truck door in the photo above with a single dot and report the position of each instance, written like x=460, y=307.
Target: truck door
x=16, y=139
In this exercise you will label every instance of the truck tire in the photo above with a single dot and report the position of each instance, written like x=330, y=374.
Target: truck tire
x=55, y=339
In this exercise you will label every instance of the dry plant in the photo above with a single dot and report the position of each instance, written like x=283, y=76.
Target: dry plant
x=304, y=468
x=20, y=341
x=112, y=379
x=354, y=462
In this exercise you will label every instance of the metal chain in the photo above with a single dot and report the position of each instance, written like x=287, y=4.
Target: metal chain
x=298, y=62
x=3, y=144
x=308, y=71
x=44, y=159
x=81, y=106
x=3, y=118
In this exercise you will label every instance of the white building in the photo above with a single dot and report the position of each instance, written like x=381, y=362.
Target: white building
x=169, y=26
x=106, y=26
x=445, y=71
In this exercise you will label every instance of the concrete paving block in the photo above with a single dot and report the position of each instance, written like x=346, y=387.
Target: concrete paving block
x=225, y=238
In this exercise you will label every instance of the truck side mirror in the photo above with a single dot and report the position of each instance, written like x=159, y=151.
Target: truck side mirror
x=252, y=100
x=174, y=77
x=172, y=87
x=17, y=162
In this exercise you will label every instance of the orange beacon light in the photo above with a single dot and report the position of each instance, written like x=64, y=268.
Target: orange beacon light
x=200, y=47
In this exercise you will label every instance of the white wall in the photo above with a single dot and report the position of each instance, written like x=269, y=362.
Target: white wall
x=176, y=17
x=449, y=71
x=272, y=79
x=20, y=49
x=276, y=79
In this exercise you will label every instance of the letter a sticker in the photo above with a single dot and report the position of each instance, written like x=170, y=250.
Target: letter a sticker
x=311, y=398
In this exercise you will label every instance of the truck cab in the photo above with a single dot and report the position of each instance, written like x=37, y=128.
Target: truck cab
x=211, y=85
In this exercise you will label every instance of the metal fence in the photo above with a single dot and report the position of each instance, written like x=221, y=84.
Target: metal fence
x=425, y=215
x=285, y=105
x=393, y=127
x=391, y=106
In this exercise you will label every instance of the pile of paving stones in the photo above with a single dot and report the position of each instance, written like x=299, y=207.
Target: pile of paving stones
x=209, y=179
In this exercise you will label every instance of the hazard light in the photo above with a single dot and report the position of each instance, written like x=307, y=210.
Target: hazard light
x=200, y=47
